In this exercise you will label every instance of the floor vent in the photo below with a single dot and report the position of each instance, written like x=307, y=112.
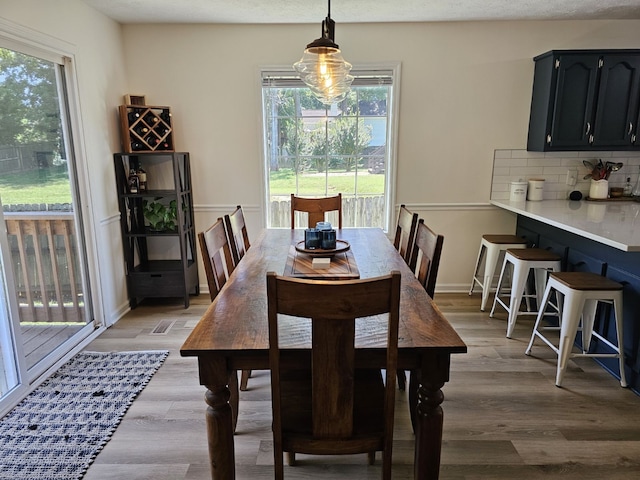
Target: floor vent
x=163, y=327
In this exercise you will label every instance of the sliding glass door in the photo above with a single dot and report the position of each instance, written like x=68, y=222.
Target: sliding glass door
x=42, y=231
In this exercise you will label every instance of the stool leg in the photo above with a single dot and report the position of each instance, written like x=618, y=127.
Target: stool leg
x=520, y=274
x=491, y=259
x=543, y=305
x=499, y=287
x=588, y=319
x=617, y=308
x=475, y=273
x=540, y=277
x=573, y=307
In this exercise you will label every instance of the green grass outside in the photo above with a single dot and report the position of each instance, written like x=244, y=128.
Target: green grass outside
x=283, y=183
x=52, y=185
x=49, y=185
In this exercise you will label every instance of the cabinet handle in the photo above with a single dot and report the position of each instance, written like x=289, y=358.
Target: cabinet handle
x=630, y=128
x=633, y=138
x=588, y=128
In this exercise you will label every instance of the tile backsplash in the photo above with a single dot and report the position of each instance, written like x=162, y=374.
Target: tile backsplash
x=514, y=165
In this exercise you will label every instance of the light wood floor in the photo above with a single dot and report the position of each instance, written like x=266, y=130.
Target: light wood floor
x=504, y=417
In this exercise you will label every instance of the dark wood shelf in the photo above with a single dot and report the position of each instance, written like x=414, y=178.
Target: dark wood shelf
x=146, y=276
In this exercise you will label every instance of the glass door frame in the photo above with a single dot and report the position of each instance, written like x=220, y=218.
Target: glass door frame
x=29, y=42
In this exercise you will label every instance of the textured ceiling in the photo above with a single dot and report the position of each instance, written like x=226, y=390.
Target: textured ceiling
x=361, y=11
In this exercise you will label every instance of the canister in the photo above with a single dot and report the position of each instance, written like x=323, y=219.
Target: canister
x=518, y=191
x=536, y=189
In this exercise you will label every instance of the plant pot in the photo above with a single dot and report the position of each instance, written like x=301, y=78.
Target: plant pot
x=599, y=189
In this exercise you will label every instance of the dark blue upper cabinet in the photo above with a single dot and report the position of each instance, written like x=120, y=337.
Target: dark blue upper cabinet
x=585, y=100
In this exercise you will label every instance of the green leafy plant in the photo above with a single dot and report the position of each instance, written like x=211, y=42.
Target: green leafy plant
x=159, y=216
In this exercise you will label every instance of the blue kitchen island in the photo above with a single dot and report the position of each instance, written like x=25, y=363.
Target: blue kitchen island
x=602, y=237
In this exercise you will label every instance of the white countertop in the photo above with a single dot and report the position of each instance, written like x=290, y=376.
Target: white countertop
x=613, y=223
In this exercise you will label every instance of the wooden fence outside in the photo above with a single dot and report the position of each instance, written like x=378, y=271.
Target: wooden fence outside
x=356, y=212
x=45, y=264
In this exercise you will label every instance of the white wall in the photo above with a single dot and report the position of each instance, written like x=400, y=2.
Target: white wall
x=465, y=91
x=96, y=44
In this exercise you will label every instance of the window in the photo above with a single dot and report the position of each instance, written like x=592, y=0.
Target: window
x=314, y=150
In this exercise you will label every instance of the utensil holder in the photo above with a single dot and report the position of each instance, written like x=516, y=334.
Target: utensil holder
x=599, y=189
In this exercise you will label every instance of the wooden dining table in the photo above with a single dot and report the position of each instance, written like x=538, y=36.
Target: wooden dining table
x=233, y=335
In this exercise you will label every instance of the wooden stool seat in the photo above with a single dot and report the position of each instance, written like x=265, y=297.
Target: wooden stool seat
x=504, y=239
x=581, y=292
x=586, y=281
x=534, y=254
x=523, y=261
x=491, y=248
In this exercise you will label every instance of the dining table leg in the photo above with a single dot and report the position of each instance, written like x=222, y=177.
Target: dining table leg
x=429, y=416
x=219, y=417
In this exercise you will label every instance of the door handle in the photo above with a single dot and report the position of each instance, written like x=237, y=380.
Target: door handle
x=588, y=128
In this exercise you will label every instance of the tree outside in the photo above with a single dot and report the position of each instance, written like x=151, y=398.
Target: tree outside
x=33, y=166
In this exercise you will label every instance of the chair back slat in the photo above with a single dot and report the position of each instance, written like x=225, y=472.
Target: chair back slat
x=332, y=377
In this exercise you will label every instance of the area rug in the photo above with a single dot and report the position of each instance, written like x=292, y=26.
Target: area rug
x=59, y=429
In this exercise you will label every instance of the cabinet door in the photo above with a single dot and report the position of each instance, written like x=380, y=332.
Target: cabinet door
x=573, y=112
x=617, y=107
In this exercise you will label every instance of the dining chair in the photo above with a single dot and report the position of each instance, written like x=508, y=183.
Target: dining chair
x=216, y=256
x=405, y=232
x=218, y=265
x=425, y=256
x=316, y=208
x=327, y=406
x=237, y=234
x=424, y=262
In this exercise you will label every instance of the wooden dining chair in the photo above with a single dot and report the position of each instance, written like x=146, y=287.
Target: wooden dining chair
x=405, y=232
x=425, y=257
x=316, y=208
x=327, y=406
x=237, y=234
x=216, y=255
x=218, y=265
x=425, y=261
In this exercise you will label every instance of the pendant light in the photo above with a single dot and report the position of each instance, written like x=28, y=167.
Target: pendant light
x=322, y=67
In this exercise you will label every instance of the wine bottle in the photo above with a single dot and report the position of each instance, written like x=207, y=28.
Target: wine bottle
x=133, y=116
x=136, y=146
x=151, y=140
x=141, y=130
x=166, y=116
x=142, y=178
x=133, y=181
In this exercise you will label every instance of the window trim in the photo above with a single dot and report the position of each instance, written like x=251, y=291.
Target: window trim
x=284, y=76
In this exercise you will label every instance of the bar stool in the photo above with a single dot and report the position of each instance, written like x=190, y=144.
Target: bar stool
x=581, y=291
x=491, y=246
x=522, y=261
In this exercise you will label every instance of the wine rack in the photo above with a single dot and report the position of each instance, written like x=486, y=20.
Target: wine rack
x=146, y=128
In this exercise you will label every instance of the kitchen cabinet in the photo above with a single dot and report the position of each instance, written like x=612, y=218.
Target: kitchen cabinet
x=157, y=226
x=585, y=100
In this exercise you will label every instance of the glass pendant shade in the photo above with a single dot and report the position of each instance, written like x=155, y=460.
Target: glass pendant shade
x=323, y=69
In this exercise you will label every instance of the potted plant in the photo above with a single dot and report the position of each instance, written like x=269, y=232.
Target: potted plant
x=160, y=217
